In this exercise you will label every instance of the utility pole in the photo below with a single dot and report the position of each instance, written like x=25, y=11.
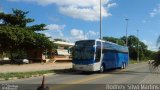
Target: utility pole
x=100, y=21
x=101, y=28
x=84, y=35
x=138, y=46
x=126, y=31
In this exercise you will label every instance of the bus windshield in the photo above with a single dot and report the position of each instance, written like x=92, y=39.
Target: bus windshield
x=84, y=50
x=85, y=43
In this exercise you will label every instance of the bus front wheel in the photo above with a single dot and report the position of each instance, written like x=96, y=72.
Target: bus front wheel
x=101, y=69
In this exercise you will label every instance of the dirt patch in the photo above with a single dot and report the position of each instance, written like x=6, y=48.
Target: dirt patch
x=34, y=67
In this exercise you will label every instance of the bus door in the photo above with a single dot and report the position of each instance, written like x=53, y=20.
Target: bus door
x=98, y=58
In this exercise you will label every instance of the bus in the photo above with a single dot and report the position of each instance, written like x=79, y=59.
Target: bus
x=99, y=55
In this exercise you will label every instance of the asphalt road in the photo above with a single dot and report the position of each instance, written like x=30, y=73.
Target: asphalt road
x=133, y=74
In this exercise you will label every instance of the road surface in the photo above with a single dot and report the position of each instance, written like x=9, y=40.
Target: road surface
x=133, y=74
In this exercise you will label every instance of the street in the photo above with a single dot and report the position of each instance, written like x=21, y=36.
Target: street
x=133, y=74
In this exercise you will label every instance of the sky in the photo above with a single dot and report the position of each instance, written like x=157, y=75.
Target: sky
x=74, y=20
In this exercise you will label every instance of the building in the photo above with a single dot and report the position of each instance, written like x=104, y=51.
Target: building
x=60, y=54
x=63, y=51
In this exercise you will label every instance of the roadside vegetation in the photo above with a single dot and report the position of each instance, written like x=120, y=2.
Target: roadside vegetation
x=135, y=61
x=144, y=53
x=156, y=63
x=132, y=61
x=19, y=75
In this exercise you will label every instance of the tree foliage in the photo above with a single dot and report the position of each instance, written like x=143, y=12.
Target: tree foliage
x=18, y=18
x=133, y=41
x=59, y=40
x=114, y=40
x=158, y=42
x=16, y=35
x=156, y=62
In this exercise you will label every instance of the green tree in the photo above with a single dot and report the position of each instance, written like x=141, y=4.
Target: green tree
x=16, y=35
x=60, y=40
x=133, y=46
x=114, y=40
x=17, y=18
x=156, y=62
x=158, y=41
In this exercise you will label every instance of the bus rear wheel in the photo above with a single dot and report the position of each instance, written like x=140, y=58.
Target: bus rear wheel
x=123, y=66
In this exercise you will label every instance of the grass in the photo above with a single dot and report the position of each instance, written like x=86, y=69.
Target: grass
x=135, y=61
x=20, y=75
x=132, y=61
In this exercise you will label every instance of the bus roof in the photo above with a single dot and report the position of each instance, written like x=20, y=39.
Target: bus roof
x=110, y=45
x=102, y=41
x=109, y=42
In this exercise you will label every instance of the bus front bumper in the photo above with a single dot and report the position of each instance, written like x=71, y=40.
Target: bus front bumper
x=89, y=67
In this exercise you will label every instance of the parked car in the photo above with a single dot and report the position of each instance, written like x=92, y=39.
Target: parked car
x=21, y=61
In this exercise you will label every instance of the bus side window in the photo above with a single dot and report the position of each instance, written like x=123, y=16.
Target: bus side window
x=98, y=55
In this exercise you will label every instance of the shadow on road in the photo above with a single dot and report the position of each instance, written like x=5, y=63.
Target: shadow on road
x=110, y=71
x=70, y=71
x=64, y=71
x=74, y=72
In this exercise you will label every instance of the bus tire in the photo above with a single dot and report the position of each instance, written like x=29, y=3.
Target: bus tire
x=122, y=66
x=101, y=69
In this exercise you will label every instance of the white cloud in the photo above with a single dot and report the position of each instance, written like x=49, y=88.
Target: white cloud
x=77, y=34
x=87, y=10
x=92, y=33
x=85, y=13
x=55, y=27
x=47, y=34
x=150, y=45
x=155, y=11
x=111, y=5
x=60, y=33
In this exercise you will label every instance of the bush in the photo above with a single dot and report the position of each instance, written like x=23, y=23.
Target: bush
x=156, y=61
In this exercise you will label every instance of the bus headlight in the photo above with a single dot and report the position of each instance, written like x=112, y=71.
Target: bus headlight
x=90, y=64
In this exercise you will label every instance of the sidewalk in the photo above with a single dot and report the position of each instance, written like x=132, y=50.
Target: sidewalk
x=34, y=67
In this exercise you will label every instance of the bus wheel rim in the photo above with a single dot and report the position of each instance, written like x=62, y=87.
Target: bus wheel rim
x=102, y=69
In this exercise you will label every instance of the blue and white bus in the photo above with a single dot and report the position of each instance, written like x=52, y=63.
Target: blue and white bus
x=88, y=56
